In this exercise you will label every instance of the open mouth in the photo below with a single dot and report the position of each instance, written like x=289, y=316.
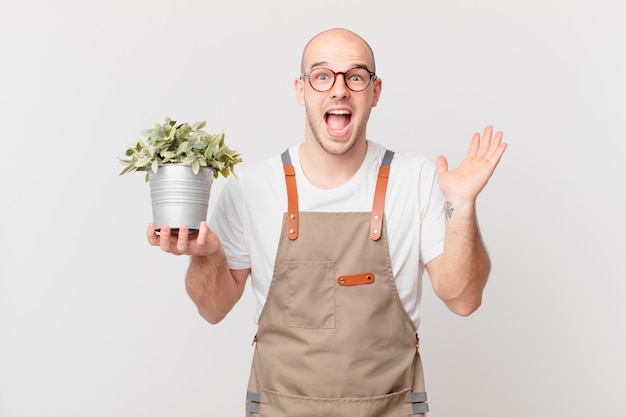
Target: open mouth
x=338, y=120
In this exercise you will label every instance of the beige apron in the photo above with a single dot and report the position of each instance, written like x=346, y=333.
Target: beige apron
x=334, y=339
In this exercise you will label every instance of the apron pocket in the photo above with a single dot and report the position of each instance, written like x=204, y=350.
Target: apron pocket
x=311, y=294
x=274, y=404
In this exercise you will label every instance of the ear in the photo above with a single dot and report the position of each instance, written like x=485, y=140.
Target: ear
x=299, y=88
x=378, y=87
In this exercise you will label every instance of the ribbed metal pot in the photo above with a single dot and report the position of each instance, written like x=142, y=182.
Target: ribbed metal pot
x=180, y=197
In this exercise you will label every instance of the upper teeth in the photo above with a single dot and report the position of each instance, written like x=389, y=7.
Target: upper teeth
x=339, y=112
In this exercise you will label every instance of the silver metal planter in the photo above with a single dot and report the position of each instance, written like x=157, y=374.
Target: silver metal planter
x=180, y=197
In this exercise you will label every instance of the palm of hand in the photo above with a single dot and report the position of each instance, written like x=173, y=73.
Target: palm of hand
x=470, y=177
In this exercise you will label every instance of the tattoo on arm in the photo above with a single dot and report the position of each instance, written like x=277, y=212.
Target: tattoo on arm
x=449, y=210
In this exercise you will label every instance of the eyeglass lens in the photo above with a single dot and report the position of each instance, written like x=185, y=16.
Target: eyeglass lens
x=356, y=79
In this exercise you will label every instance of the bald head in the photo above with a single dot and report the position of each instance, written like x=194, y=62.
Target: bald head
x=341, y=39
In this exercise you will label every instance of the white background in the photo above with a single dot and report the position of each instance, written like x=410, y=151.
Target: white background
x=94, y=322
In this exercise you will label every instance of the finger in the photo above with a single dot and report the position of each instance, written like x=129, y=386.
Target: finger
x=213, y=243
x=497, y=148
x=202, y=234
x=166, y=235
x=497, y=139
x=183, y=239
x=207, y=240
x=488, y=132
x=485, y=142
x=442, y=164
x=153, y=238
x=497, y=155
x=474, y=145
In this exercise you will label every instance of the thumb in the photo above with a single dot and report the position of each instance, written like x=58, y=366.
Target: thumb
x=209, y=239
x=442, y=164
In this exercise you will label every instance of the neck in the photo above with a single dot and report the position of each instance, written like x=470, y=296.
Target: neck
x=327, y=171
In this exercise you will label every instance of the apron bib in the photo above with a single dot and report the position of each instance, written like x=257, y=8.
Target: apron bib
x=334, y=339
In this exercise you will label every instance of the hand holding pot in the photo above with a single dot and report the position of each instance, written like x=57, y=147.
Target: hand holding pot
x=204, y=243
x=211, y=285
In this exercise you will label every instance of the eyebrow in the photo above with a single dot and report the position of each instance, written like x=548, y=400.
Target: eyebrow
x=323, y=64
x=318, y=64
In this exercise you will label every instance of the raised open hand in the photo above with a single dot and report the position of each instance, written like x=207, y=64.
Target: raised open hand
x=467, y=180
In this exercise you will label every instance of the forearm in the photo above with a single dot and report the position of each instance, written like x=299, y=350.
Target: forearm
x=465, y=265
x=211, y=286
x=459, y=275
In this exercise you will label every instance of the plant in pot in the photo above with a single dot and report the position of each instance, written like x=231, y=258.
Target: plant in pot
x=181, y=161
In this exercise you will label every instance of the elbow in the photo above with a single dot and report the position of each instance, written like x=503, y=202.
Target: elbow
x=211, y=316
x=464, y=308
x=461, y=302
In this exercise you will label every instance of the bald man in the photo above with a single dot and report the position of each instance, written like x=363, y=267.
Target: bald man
x=336, y=233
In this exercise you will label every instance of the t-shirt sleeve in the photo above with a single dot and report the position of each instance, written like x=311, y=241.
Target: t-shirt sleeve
x=226, y=220
x=433, y=215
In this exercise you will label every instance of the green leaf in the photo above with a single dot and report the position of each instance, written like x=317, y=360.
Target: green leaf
x=143, y=162
x=174, y=142
x=188, y=160
x=126, y=170
x=167, y=155
x=220, y=138
x=198, y=125
x=183, y=148
x=199, y=145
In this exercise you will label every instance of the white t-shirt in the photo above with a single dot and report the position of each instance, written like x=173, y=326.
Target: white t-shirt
x=248, y=216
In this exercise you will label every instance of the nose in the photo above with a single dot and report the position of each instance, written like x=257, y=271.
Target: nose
x=339, y=88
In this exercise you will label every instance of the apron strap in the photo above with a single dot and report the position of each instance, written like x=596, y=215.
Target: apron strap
x=292, y=196
x=378, y=209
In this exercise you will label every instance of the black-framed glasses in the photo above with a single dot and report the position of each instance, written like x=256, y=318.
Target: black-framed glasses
x=356, y=79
